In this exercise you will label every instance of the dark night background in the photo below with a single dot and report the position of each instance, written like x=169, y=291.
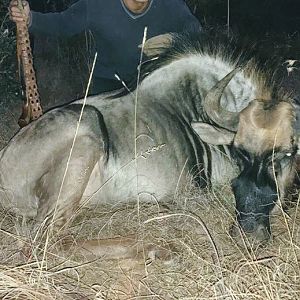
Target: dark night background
x=255, y=17
x=62, y=65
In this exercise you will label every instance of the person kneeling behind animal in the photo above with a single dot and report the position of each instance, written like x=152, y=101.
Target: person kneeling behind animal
x=117, y=27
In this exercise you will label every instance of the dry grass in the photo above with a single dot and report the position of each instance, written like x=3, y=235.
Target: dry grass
x=206, y=262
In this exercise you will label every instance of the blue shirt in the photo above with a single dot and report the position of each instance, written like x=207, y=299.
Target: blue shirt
x=117, y=31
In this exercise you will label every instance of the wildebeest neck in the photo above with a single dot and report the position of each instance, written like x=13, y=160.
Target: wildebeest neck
x=188, y=79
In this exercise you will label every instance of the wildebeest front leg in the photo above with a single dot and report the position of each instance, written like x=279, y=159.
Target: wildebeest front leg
x=61, y=188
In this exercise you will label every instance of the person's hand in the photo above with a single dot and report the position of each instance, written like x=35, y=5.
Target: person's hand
x=157, y=44
x=19, y=15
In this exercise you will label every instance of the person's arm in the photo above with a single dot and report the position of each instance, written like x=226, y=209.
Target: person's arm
x=68, y=22
x=71, y=21
x=185, y=22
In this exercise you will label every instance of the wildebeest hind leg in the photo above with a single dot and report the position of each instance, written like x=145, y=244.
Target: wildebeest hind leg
x=61, y=188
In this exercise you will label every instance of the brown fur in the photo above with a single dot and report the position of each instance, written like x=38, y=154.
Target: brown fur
x=265, y=125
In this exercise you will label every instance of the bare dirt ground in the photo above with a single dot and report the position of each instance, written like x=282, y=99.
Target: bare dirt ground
x=204, y=262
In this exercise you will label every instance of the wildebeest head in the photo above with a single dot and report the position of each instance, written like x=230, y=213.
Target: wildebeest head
x=264, y=139
x=265, y=143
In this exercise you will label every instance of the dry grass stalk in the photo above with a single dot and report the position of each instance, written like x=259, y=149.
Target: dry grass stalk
x=269, y=273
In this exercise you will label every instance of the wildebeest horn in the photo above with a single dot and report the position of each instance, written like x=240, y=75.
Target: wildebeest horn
x=213, y=108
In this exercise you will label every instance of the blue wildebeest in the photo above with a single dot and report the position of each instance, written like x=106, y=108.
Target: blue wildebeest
x=194, y=109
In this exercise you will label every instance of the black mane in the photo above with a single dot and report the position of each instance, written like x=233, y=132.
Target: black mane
x=214, y=42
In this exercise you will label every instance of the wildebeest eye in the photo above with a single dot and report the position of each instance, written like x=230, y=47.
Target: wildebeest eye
x=281, y=155
x=279, y=160
x=287, y=158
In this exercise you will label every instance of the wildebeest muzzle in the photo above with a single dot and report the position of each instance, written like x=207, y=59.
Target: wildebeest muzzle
x=256, y=194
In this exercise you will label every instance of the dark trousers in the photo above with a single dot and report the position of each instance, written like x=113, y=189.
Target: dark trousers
x=101, y=85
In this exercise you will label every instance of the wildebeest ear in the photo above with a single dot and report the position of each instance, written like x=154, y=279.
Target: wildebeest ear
x=213, y=135
x=157, y=44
